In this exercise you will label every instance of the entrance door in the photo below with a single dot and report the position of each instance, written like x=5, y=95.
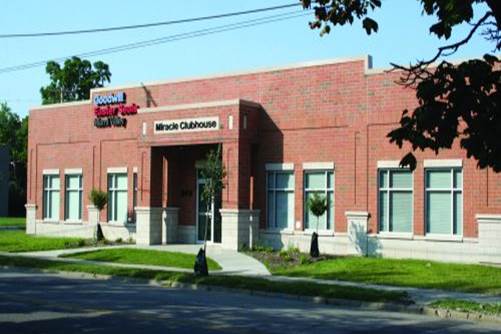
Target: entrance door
x=205, y=213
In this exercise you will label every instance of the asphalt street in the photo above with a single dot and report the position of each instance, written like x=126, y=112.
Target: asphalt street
x=33, y=302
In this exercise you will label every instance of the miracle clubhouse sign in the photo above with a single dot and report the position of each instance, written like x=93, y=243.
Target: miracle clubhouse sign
x=108, y=110
x=186, y=125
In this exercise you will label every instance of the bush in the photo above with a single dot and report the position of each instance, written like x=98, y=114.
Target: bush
x=98, y=198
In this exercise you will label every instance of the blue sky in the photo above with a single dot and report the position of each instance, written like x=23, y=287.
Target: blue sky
x=403, y=37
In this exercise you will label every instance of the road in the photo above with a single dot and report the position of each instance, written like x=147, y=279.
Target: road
x=32, y=302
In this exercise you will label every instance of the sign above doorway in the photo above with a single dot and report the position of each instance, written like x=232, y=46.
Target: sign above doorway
x=186, y=125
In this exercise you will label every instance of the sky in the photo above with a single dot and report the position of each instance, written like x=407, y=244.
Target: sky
x=403, y=37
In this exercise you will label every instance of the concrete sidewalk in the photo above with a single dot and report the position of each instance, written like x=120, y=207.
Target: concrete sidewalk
x=231, y=262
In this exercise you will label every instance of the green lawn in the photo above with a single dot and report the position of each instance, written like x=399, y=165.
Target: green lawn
x=143, y=256
x=412, y=273
x=19, y=241
x=237, y=282
x=468, y=306
x=13, y=221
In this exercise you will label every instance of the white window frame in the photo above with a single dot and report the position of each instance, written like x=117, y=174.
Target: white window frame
x=112, y=192
x=451, y=167
x=388, y=167
x=326, y=192
x=278, y=168
x=50, y=173
x=70, y=173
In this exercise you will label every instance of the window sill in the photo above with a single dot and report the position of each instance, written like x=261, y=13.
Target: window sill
x=50, y=221
x=277, y=231
x=394, y=235
x=118, y=224
x=321, y=233
x=72, y=222
x=441, y=237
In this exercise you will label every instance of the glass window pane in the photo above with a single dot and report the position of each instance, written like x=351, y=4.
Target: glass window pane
x=73, y=205
x=383, y=179
x=311, y=218
x=401, y=179
x=284, y=209
x=438, y=179
x=46, y=209
x=110, y=181
x=121, y=206
x=285, y=180
x=271, y=180
x=439, y=212
x=45, y=181
x=383, y=214
x=330, y=178
x=458, y=179
x=458, y=213
x=111, y=205
x=316, y=180
x=54, y=205
x=271, y=209
x=55, y=182
x=72, y=181
x=330, y=210
x=401, y=211
x=121, y=181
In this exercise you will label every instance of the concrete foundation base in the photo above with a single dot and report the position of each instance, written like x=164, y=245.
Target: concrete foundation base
x=240, y=228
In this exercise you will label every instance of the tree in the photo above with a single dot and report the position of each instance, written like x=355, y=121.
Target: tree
x=214, y=172
x=14, y=134
x=456, y=102
x=74, y=81
x=317, y=204
x=99, y=199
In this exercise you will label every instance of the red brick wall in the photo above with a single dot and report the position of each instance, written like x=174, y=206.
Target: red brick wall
x=335, y=112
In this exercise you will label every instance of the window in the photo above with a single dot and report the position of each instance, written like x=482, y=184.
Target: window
x=395, y=201
x=444, y=201
x=73, y=197
x=51, y=197
x=280, y=189
x=134, y=195
x=322, y=183
x=117, y=197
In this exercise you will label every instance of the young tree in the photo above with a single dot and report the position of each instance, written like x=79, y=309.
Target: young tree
x=317, y=204
x=214, y=172
x=99, y=199
x=456, y=102
x=74, y=81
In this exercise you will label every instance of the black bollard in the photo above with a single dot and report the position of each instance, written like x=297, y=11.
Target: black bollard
x=314, y=252
x=200, y=267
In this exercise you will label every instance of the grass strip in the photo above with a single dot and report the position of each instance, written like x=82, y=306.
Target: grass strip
x=19, y=241
x=13, y=221
x=235, y=282
x=143, y=256
x=468, y=306
x=397, y=272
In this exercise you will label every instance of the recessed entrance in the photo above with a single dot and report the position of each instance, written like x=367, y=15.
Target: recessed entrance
x=208, y=215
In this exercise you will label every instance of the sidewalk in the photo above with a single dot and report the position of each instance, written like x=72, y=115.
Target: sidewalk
x=235, y=263
x=231, y=262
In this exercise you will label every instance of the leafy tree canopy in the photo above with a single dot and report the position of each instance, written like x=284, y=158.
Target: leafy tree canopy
x=456, y=101
x=74, y=80
x=14, y=133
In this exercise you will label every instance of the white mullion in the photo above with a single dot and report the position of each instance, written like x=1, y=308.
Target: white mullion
x=452, y=200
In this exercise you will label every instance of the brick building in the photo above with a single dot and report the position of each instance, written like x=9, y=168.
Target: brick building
x=286, y=133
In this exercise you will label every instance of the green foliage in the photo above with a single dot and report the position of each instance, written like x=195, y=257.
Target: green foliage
x=317, y=204
x=472, y=109
x=19, y=241
x=14, y=134
x=13, y=221
x=456, y=102
x=74, y=81
x=411, y=273
x=98, y=198
x=467, y=306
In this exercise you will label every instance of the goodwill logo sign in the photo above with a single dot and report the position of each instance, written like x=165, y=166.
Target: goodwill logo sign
x=186, y=125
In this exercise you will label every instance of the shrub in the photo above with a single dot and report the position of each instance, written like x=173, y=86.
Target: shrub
x=98, y=198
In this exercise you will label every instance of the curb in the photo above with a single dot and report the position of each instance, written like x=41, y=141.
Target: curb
x=374, y=306
x=461, y=315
